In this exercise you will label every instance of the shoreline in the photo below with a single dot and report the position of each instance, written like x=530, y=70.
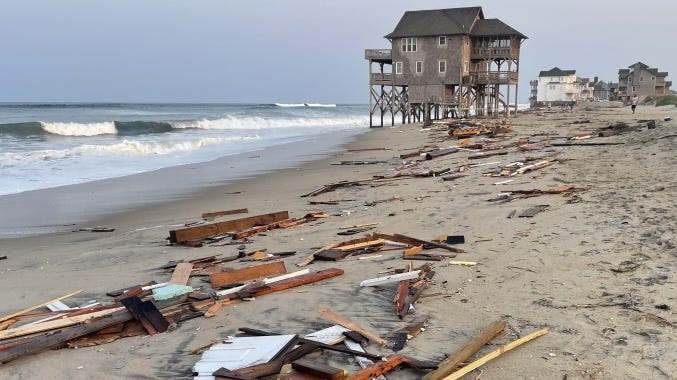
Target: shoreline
x=594, y=268
x=59, y=209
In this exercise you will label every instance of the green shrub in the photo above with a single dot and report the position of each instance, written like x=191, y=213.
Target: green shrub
x=661, y=100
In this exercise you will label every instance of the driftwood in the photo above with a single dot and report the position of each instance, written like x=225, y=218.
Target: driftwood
x=249, y=273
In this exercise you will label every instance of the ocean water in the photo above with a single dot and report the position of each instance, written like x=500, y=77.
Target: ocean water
x=49, y=145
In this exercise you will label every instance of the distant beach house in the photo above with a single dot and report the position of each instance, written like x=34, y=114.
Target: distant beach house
x=557, y=86
x=639, y=79
x=445, y=62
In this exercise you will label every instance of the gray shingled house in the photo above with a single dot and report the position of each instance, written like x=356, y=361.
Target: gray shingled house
x=445, y=62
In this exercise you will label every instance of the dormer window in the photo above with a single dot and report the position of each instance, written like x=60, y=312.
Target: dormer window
x=443, y=41
x=409, y=44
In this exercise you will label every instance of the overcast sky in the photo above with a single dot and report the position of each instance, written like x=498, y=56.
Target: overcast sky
x=287, y=50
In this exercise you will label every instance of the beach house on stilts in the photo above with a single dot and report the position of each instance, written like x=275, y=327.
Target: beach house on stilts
x=445, y=63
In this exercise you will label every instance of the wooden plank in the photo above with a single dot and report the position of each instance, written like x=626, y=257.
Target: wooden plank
x=51, y=325
x=311, y=257
x=146, y=313
x=216, y=214
x=413, y=250
x=391, y=278
x=494, y=354
x=259, y=290
x=459, y=356
x=255, y=230
x=345, y=322
x=320, y=370
x=6, y=317
x=225, y=292
x=213, y=229
x=414, y=241
x=181, y=273
x=377, y=369
x=249, y=273
x=353, y=247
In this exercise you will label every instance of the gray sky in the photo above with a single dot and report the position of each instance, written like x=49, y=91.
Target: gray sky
x=287, y=50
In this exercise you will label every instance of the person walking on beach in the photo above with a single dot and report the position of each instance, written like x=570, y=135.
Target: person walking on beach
x=634, y=102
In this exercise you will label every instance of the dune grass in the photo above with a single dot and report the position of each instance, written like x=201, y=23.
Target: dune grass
x=661, y=100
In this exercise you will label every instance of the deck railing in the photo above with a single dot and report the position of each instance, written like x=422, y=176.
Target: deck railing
x=493, y=77
x=489, y=52
x=378, y=54
x=381, y=78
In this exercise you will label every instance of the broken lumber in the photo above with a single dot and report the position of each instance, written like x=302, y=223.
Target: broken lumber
x=6, y=317
x=187, y=234
x=345, y=322
x=494, y=354
x=440, y=152
x=448, y=365
x=255, y=290
x=51, y=325
x=220, y=279
x=414, y=241
x=181, y=273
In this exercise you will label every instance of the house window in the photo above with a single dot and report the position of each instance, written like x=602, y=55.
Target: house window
x=443, y=66
x=641, y=78
x=409, y=44
x=419, y=67
x=443, y=40
x=633, y=88
x=398, y=67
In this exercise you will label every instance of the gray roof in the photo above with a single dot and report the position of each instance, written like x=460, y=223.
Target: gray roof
x=437, y=22
x=640, y=65
x=556, y=72
x=494, y=27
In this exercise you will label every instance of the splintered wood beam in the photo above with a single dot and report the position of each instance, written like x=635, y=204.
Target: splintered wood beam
x=345, y=322
x=24, y=311
x=451, y=363
x=250, y=273
x=494, y=354
x=213, y=229
x=59, y=323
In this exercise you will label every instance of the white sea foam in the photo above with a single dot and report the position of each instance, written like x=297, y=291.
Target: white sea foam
x=290, y=104
x=231, y=122
x=147, y=148
x=80, y=129
x=320, y=105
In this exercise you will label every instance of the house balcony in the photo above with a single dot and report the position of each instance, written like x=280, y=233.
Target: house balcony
x=492, y=77
x=481, y=52
x=379, y=55
x=381, y=79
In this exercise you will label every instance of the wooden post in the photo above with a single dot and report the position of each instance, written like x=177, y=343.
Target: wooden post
x=450, y=364
x=494, y=354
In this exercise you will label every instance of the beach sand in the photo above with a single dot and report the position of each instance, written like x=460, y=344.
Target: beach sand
x=595, y=268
